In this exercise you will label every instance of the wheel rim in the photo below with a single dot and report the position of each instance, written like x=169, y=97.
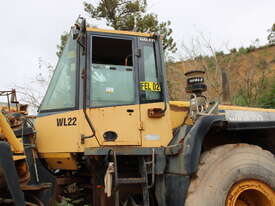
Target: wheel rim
x=250, y=193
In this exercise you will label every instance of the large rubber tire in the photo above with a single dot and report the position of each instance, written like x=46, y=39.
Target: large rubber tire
x=222, y=167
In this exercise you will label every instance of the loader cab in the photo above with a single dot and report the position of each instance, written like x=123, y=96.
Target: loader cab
x=123, y=70
x=117, y=79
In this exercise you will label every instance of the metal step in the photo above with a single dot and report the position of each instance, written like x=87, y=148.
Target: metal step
x=135, y=180
x=143, y=172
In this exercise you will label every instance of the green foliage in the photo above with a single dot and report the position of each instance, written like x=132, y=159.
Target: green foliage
x=210, y=63
x=262, y=64
x=219, y=53
x=233, y=50
x=243, y=50
x=241, y=98
x=260, y=96
x=119, y=14
x=199, y=58
x=131, y=15
x=63, y=40
x=251, y=48
x=267, y=100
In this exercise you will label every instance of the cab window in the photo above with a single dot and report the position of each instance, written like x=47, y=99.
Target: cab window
x=150, y=85
x=112, y=72
x=61, y=93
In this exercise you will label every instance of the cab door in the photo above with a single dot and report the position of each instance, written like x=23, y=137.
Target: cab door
x=114, y=108
x=156, y=129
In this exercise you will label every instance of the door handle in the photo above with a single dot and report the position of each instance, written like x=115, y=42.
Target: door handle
x=155, y=113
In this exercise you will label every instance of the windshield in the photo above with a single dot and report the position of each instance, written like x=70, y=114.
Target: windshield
x=61, y=92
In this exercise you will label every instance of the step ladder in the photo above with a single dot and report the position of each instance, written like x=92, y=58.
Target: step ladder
x=142, y=180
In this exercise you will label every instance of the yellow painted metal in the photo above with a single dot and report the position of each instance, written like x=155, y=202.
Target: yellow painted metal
x=130, y=33
x=59, y=139
x=19, y=157
x=134, y=128
x=4, y=107
x=55, y=155
x=123, y=120
x=251, y=193
x=231, y=107
x=180, y=103
x=60, y=161
x=155, y=132
x=16, y=145
x=224, y=107
x=179, y=112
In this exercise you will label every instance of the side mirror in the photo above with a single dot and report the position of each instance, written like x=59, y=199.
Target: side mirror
x=78, y=31
x=75, y=32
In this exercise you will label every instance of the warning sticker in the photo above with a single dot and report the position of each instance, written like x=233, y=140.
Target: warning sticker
x=150, y=86
x=109, y=90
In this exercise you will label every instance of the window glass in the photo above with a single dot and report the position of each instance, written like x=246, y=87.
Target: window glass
x=61, y=92
x=150, y=72
x=112, y=72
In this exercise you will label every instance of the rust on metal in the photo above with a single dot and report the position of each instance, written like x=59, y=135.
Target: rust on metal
x=35, y=187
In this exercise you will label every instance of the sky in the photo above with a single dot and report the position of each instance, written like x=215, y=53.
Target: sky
x=31, y=29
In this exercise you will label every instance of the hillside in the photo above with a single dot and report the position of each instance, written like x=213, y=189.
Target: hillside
x=250, y=73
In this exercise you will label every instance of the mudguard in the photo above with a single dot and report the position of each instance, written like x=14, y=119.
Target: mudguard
x=172, y=186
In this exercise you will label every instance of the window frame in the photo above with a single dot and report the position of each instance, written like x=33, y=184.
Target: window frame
x=135, y=66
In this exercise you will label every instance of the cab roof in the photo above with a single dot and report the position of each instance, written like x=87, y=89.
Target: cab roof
x=130, y=33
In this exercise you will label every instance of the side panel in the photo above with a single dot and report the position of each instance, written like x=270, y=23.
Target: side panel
x=123, y=120
x=156, y=132
x=179, y=112
x=59, y=132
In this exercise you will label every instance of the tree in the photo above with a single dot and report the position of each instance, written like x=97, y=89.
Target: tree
x=271, y=36
x=131, y=15
x=61, y=46
x=267, y=100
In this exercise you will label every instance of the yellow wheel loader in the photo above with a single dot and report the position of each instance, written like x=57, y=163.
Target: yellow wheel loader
x=107, y=135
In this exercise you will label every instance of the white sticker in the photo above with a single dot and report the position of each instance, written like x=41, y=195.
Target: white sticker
x=152, y=137
x=109, y=90
x=146, y=39
x=239, y=115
